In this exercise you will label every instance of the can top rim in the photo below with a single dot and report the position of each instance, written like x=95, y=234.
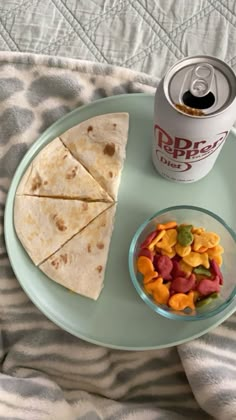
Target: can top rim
x=200, y=59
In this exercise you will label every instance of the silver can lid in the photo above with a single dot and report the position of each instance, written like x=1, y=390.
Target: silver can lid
x=203, y=83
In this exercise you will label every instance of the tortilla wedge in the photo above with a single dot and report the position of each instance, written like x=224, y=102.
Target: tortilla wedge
x=44, y=224
x=56, y=173
x=80, y=264
x=100, y=145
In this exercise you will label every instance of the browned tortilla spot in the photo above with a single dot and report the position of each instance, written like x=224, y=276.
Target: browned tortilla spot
x=45, y=183
x=36, y=183
x=85, y=206
x=64, y=258
x=60, y=224
x=55, y=263
x=89, y=248
x=65, y=156
x=100, y=245
x=99, y=268
x=72, y=173
x=110, y=174
x=114, y=125
x=109, y=149
x=90, y=128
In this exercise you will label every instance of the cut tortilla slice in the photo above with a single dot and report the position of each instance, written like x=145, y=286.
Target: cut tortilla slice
x=80, y=264
x=56, y=173
x=43, y=224
x=100, y=145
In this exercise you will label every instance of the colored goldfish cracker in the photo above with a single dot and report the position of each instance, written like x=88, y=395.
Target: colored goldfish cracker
x=198, y=230
x=144, y=265
x=194, y=259
x=205, y=287
x=202, y=249
x=153, y=285
x=170, y=254
x=177, y=272
x=218, y=259
x=185, y=267
x=168, y=240
x=216, y=270
x=182, y=251
x=185, y=226
x=200, y=277
x=145, y=252
x=215, y=251
x=183, y=284
x=165, y=226
x=181, y=301
x=161, y=292
x=214, y=295
x=185, y=236
x=202, y=271
x=163, y=297
x=149, y=239
x=147, y=289
x=158, y=237
x=150, y=276
x=206, y=239
x=207, y=300
x=164, y=266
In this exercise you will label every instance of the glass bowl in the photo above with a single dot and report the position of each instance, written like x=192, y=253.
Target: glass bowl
x=198, y=217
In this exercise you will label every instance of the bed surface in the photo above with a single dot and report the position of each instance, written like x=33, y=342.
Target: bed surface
x=146, y=36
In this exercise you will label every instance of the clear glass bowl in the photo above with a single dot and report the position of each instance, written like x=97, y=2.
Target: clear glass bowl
x=201, y=218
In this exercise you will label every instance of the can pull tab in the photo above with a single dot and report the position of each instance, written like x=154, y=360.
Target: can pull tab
x=201, y=80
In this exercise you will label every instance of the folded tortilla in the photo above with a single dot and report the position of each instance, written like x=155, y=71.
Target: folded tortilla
x=56, y=173
x=64, y=206
x=80, y=264
x=99, y=144
x=44, y=224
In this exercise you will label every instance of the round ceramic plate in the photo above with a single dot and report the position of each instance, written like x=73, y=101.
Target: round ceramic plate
x=120, y=319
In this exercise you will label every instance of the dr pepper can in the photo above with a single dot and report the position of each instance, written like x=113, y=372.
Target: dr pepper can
x=195, y=107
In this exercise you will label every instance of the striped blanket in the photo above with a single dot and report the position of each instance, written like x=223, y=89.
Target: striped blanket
x=45, y=372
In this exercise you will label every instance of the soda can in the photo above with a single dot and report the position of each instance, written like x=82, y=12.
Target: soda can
x=195, y=108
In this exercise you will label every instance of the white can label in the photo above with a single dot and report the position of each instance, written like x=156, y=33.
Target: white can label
x=182, y=159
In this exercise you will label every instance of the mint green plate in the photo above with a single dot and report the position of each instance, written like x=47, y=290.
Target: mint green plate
x=120, y=319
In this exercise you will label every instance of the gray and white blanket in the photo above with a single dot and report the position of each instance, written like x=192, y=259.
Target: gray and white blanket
x=46, y=373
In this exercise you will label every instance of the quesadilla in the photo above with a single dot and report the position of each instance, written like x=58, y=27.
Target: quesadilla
x=99, y=144
x=80, y=264
x=56, y=173
x=65, y=202
x=44, y=224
